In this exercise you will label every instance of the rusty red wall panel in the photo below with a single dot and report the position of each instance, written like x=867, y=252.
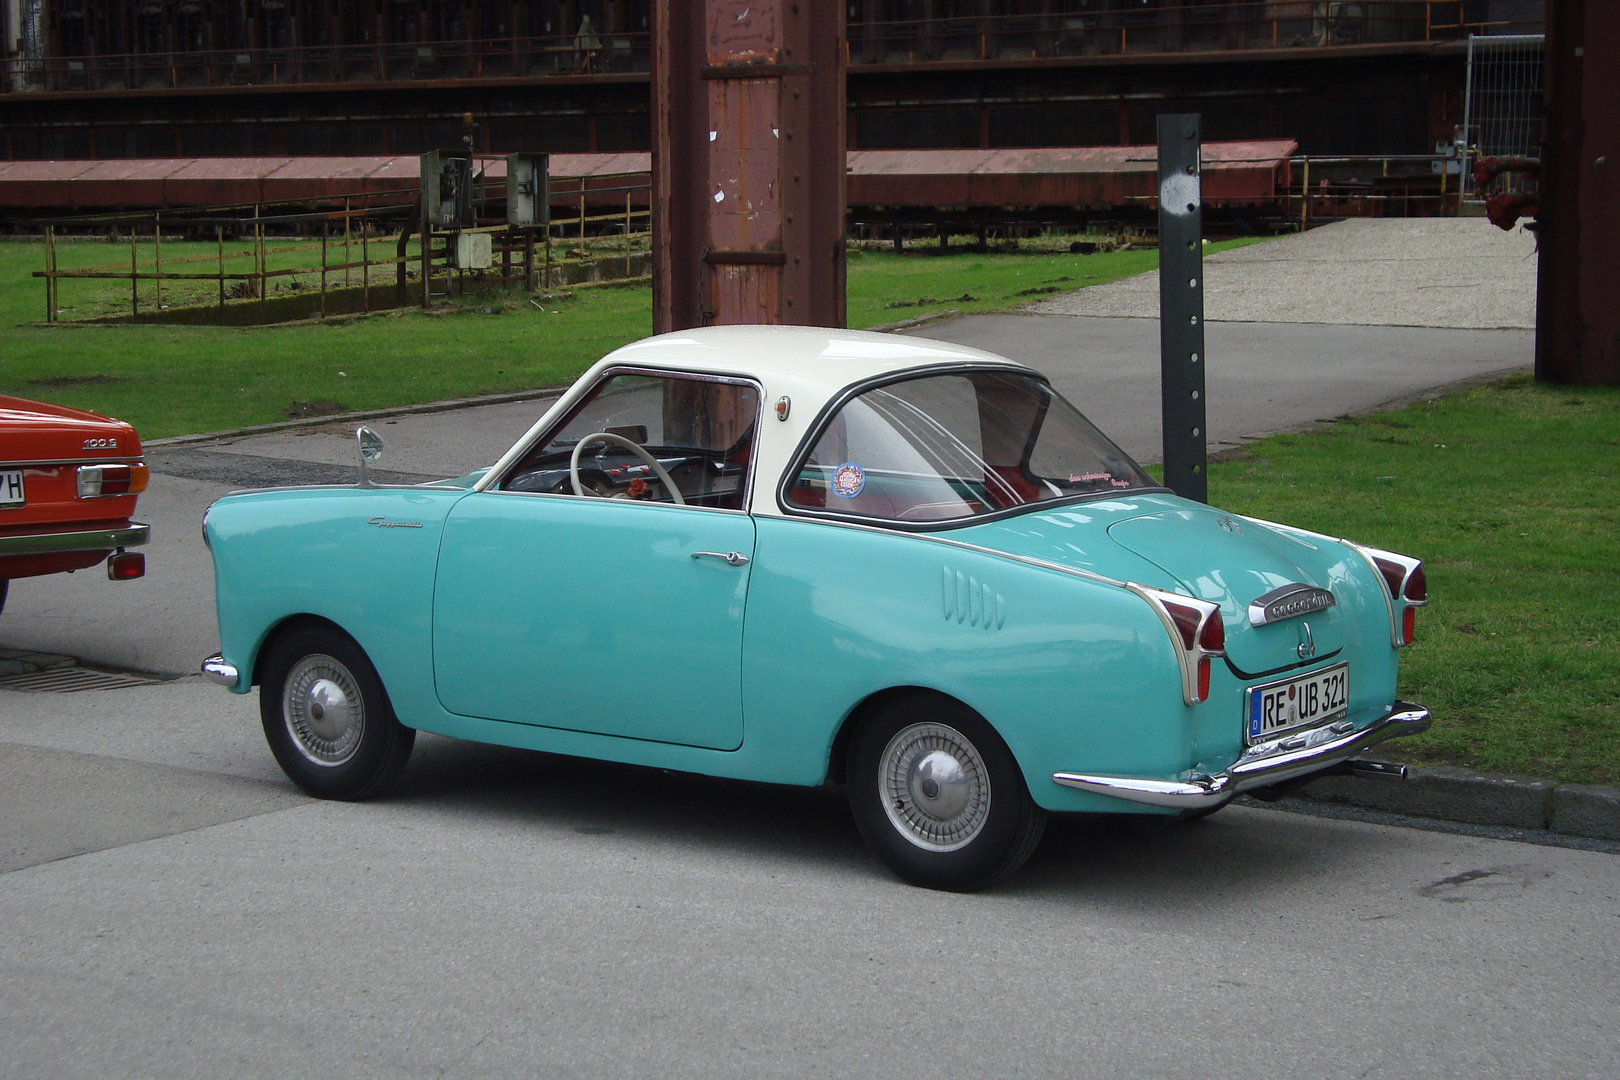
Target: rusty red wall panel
x=1094, y=177
x=138, y=180
x=38, y=183
x=792, y=205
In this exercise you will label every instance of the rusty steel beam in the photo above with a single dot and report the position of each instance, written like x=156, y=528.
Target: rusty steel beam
x=748, y=163
x=1577, y=320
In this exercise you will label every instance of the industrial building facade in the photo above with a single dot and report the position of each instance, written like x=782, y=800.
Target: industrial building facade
x=94, y=79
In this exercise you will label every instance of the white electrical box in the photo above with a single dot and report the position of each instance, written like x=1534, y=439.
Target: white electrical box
x=472, y=251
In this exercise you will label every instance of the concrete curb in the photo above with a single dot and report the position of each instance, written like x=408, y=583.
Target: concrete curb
x=349, y=417
x=1476, y=798
x=920, y=320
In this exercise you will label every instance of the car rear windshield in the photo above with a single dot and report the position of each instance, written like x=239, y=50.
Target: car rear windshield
x=948, y=447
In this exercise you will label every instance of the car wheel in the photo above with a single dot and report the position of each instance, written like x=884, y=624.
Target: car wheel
x=939, y=797
x=5, y=587
x=327, y=717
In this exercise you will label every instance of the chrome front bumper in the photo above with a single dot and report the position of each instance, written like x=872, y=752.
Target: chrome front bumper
x=1260, y=766
x=218, y=672
x=132, y=535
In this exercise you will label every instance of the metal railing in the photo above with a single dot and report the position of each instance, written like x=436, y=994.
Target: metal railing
x=513, y=57
x=1389, y=185
x=1088, y=28
x=336, y=260
x=1108, y=29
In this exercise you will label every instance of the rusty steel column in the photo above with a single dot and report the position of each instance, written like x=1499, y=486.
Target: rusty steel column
x=1577, y=319
x=748, y=163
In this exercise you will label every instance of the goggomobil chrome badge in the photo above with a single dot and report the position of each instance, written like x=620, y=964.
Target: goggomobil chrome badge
x=848, y=480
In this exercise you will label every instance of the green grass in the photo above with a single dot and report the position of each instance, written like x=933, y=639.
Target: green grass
x=1511, y=496
x=182, y=379
x=886, y=288
x=170, y=380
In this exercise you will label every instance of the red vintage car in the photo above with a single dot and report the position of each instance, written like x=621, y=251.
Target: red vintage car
x=68, y=482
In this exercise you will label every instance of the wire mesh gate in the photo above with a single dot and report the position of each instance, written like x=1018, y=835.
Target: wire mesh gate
x=1502, y=110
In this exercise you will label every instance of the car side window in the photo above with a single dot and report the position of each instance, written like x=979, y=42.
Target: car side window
x=951, y=447
x=650, y=436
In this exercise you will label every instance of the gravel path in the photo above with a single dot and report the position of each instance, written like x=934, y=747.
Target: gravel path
x=1440, y=272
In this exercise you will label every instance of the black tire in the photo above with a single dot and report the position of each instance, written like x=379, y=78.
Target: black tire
x=961, y=815
x=327, y=718
x=5, y=587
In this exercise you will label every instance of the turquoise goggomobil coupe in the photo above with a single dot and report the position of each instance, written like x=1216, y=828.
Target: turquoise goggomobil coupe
x=903, y=566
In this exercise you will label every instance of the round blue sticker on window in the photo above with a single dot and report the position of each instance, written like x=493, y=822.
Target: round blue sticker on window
x=848, y=480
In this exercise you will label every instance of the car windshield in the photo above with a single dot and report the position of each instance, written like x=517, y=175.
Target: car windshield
x=939, y=448
x=699, y=432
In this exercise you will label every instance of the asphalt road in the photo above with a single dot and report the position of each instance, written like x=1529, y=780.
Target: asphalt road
x=510, y=913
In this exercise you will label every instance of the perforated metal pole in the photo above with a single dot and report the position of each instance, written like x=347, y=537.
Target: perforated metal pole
x=1181, y=304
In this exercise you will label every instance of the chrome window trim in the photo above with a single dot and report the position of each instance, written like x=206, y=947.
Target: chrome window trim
x=490, y=480
x=625, y=502
x=817, y=427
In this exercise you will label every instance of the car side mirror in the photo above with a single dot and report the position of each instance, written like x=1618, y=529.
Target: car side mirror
x=371, y=448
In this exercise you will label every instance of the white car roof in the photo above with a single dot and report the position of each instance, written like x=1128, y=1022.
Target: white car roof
x=806, y=365
x=829, y=358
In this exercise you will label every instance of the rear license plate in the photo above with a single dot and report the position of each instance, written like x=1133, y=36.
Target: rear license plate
x=1301, y=702
x=11, y=487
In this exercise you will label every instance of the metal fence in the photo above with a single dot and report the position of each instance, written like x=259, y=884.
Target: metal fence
x=214, y=264
x=1502, y=110
x=1323, y=188
x=875, y=36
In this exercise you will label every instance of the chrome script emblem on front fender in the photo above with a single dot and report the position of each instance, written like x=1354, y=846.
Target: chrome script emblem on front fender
x=384, y=523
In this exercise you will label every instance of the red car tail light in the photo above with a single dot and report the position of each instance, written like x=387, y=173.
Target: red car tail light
x=96, y=481
x=126, y=565
x=1417, y=587
x=1406, y=587
x=1197, y=631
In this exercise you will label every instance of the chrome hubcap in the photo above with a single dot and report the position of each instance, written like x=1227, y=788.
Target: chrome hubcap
x=324, y=712
x=935, y=787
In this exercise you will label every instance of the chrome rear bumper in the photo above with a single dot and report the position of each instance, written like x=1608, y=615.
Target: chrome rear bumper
x=88, y=540
x=1260, y=766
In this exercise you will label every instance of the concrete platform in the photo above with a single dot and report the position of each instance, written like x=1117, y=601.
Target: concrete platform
x=1462, y=273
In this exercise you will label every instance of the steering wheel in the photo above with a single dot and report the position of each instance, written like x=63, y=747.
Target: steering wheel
x=619, y=441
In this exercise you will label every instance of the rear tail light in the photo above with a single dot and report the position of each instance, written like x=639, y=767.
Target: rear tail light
x=98, y=480
x=1405, y=585
x=126, y=565
x=1198, y=633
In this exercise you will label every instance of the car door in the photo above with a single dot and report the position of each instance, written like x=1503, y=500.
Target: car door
x=608, y=615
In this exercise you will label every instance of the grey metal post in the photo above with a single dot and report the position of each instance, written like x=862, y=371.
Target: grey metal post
x=1181, y=305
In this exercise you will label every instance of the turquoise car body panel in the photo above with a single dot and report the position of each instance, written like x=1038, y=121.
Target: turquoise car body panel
x=593, y=615
x=475, y=605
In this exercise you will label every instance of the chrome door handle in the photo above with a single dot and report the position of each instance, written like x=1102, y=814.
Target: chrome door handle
x=730, y=558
